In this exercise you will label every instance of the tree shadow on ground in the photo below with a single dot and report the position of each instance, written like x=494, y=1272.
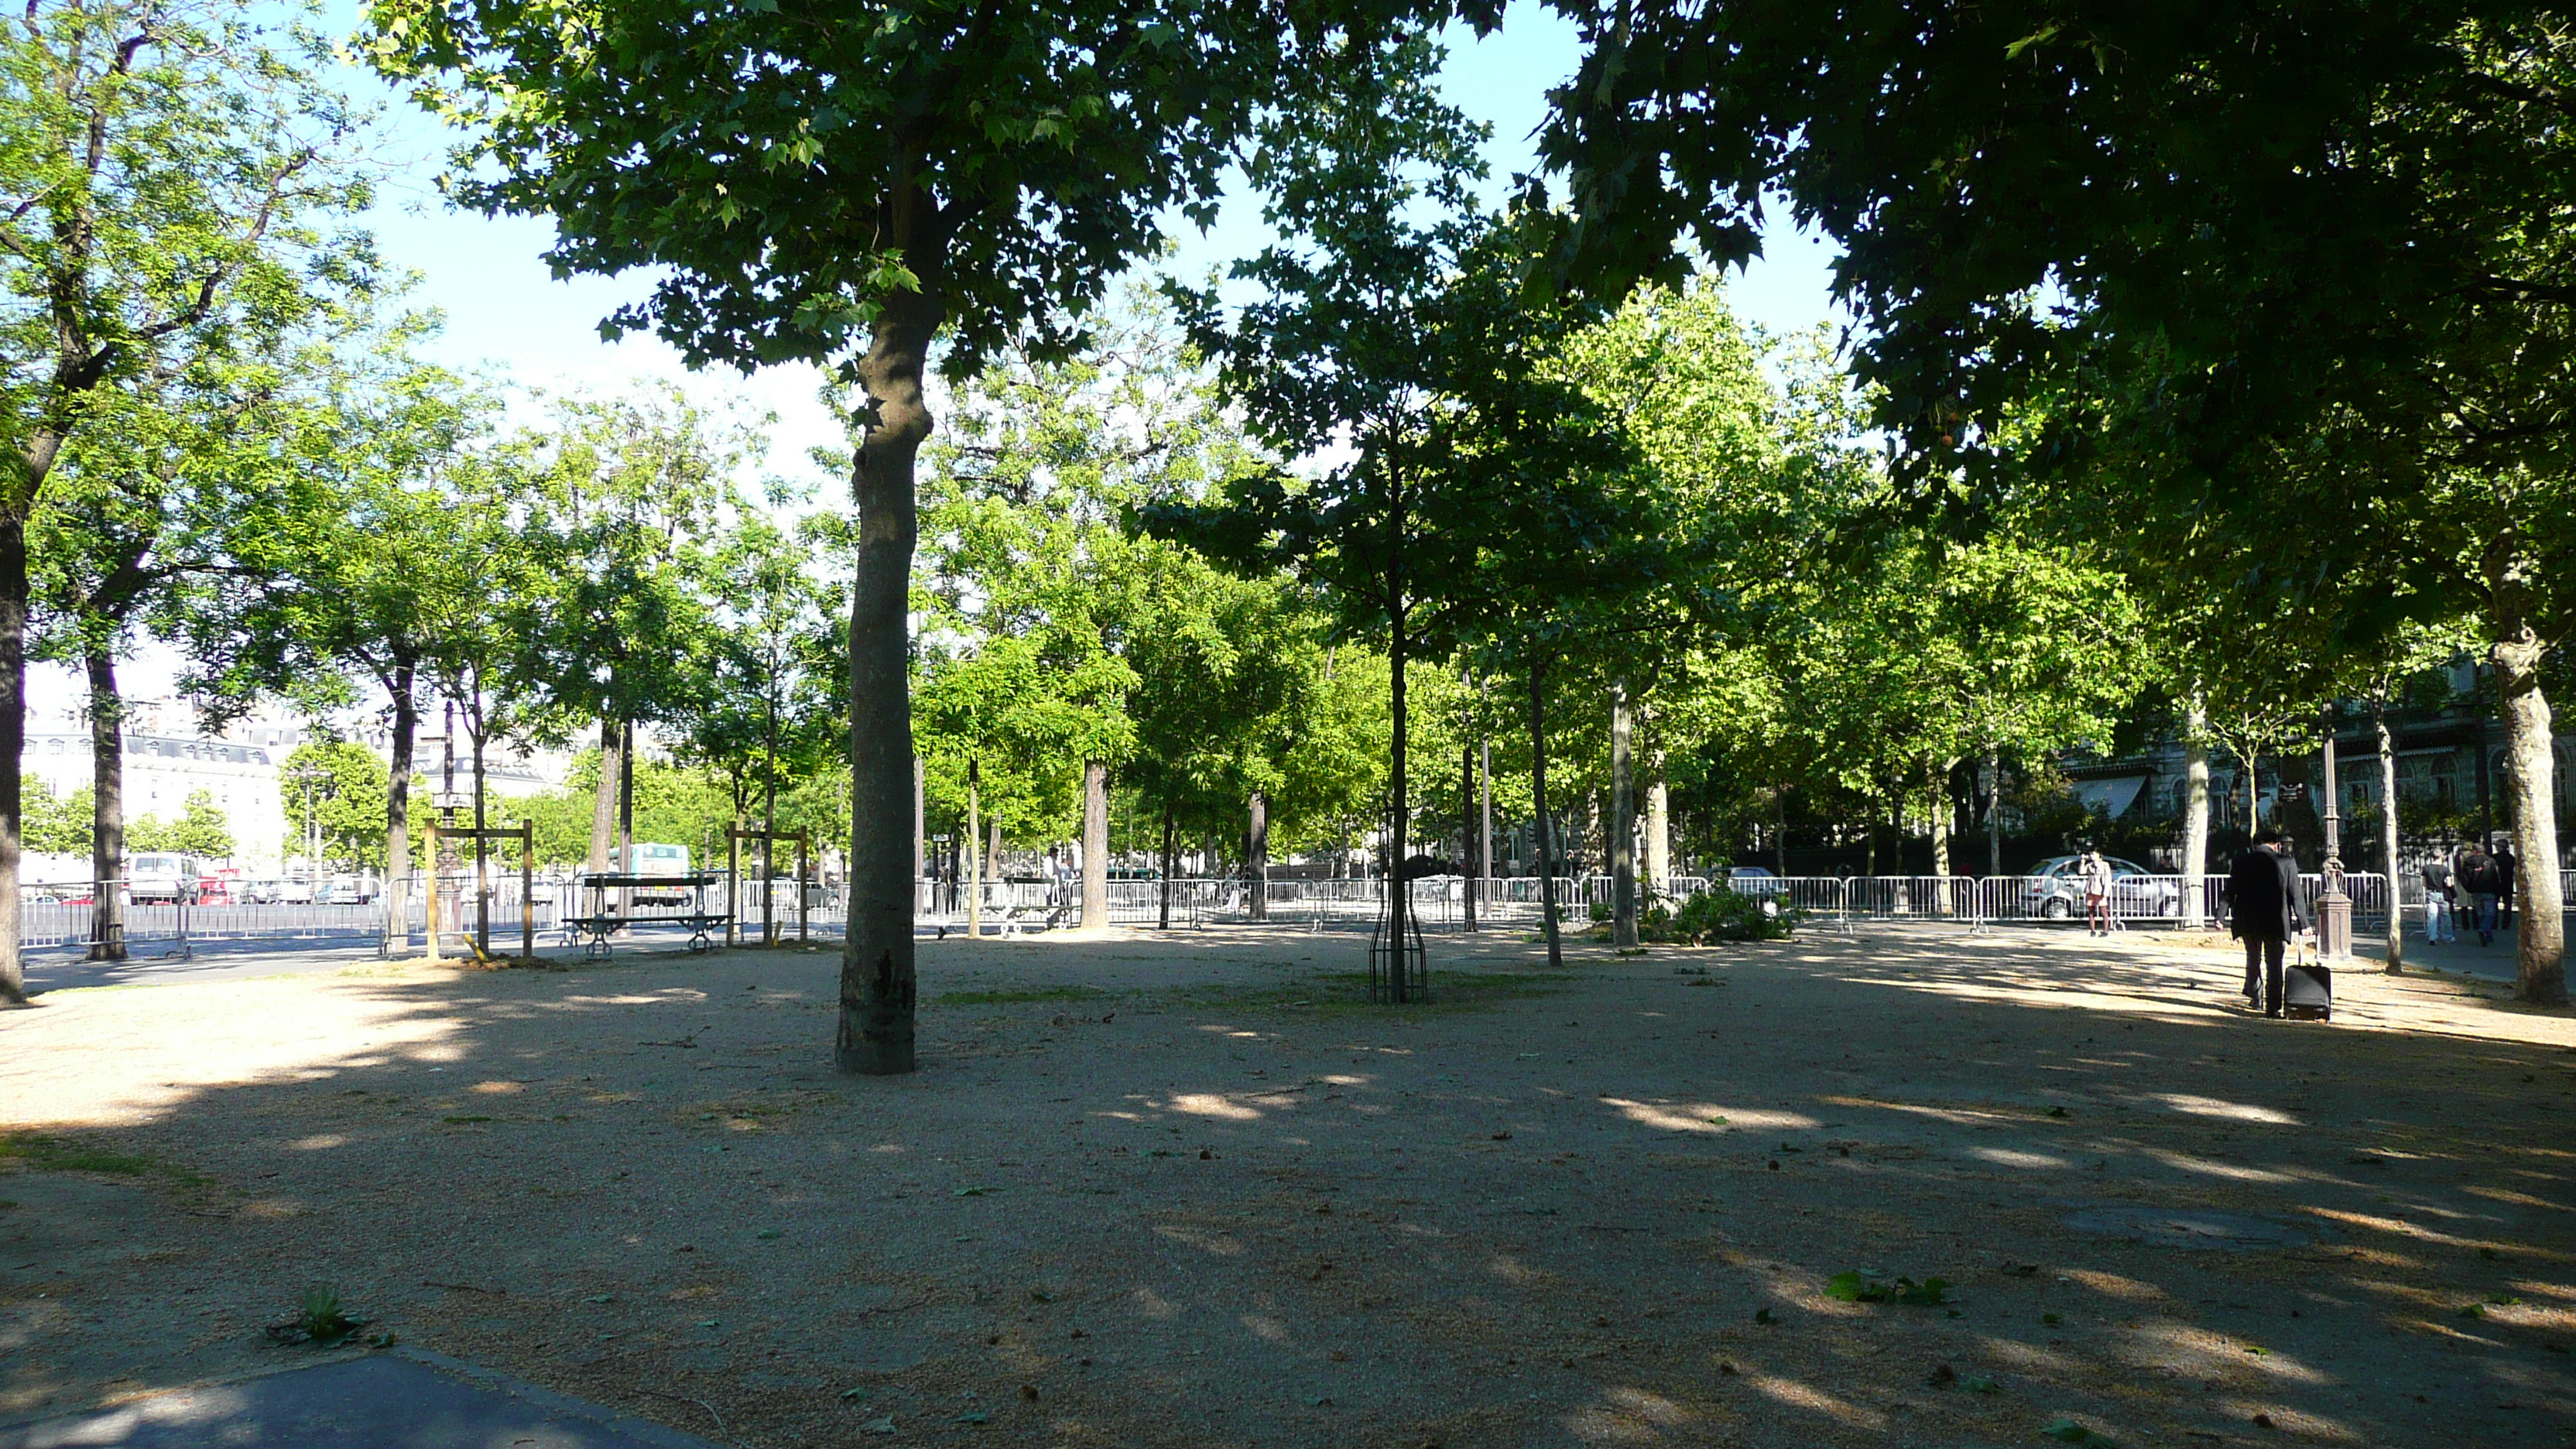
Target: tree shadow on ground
x=1181, y=1193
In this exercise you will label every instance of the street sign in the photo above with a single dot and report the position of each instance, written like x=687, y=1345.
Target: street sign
x=452, y=799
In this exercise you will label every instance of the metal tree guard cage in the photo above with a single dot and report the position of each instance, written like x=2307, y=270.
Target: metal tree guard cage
x=1398, y=972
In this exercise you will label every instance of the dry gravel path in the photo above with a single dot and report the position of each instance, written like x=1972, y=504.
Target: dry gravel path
x=1182, y=1193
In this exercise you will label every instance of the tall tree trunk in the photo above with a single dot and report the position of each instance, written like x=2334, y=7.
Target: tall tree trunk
x=626, y=817
x=993, y=853
x=974, y=844
x=107, y=812
x=1467, y=834
x=1095, y=845
x=1538, y=813
x=1256, y=854
x=1942, y=808
x=13, y=737
x=603, y=803
x=2388, y=843
x=1399, y=804
x=2195, y=808
x=920, y=821
x=1484, y=810
x=878, y=984
x=482, y=877
x=1171, y=859
x=2531, y=784
x=398, y=811
x=1659, y=828
x=1623, y=820
x=1994, y=811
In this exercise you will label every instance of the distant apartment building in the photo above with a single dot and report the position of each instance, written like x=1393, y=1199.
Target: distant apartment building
x=169, y=758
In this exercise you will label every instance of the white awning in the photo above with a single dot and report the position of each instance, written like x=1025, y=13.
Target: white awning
x=2110, y=796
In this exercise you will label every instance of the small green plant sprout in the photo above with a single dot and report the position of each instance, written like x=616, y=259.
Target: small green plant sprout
x=321, y=1324
x=1868, y=1285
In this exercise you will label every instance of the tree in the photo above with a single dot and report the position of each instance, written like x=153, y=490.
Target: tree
x=164, y=171
x=200, y=830
x=330, y=584
x=969, y=172
x=2286, y=256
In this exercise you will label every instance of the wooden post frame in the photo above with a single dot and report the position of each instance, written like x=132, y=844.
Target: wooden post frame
x=525, y=833
x=733, y=875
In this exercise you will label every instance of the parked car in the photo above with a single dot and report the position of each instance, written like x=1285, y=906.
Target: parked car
x=160, y=877
x=1758, y=883
x=2054, y=890
x=348, y=890
x=293, y=892
x=219, y=888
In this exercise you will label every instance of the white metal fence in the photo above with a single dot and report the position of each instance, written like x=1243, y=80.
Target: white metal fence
x=61, y=916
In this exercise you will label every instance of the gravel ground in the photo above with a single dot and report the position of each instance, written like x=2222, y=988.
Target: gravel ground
x=1185, y=1192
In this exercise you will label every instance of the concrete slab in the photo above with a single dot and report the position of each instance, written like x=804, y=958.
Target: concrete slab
x=404, y=1399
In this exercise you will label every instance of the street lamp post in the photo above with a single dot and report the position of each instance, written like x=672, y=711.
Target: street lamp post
x=2334, y=908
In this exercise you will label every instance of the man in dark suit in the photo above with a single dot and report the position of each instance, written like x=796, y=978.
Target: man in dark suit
x=2264, y=913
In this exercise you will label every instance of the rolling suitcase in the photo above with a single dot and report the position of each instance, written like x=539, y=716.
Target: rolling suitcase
x=2307, y=984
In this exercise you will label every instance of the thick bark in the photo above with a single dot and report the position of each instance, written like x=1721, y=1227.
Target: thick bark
x=1171, y=848
x=1623, y=820
x=1256, y=855
x=2531, y=785
x=1095, y=845
x=603, y=804
x=2195, y=808
x=877, y=976
x=13, y=743
x=2388, y=844
x=1538, y=809
x=398, y=811
x=107, y=808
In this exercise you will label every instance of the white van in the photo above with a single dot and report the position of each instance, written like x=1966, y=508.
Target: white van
x=160, y=877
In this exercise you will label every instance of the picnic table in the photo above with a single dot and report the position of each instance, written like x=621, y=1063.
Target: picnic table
x=601, y=922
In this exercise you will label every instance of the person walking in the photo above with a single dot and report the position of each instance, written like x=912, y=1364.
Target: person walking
x=2264, y=912
x=2504, y=884
x=2097, y=892
x=2476, y=872
x=2438, y=889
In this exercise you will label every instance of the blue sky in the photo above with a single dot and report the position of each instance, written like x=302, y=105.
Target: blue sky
x=505, y=310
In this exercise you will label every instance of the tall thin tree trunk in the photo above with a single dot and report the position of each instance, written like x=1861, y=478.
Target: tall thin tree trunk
x=398, y=811
x=1467, y=834
x=1399, y=804
x=920, y=821
x=13, y=738
x=1171, y=861
x=1623, y=820
x=1485, y=810
x=1942, y=808
x=993, y=855
x=1994, y=811
x=482, y=878
x=2388, y=843
x=2195, y=808
x=878, y=984
x=1095, y=845
x=1256, y=855
x=974, y=844
x=603, y=803
x=1538, y=816
x=107, y=812
x=2531, y=785
x=626, y=817
x=1659, y=829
